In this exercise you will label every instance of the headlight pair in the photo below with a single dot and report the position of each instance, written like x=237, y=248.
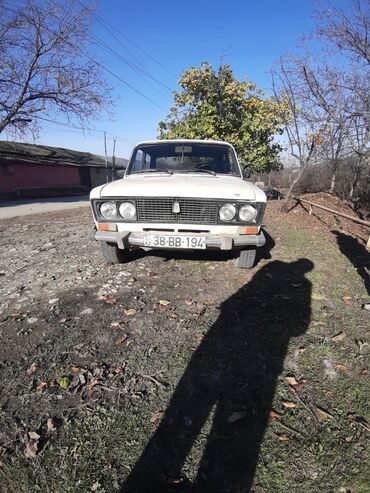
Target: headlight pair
x=126, y=210
x=246, y=213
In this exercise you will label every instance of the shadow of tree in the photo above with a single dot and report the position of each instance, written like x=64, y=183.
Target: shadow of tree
x=232, y=377
x=357, y=254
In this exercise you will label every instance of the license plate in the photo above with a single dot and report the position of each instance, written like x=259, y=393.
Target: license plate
x=171, y=241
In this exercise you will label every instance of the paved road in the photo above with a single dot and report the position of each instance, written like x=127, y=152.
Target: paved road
x=24, y=207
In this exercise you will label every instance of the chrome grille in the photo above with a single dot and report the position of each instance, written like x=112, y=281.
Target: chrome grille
x=192, y=211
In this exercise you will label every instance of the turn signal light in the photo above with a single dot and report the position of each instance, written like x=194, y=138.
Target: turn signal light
x=248, y=230
x=107, y=227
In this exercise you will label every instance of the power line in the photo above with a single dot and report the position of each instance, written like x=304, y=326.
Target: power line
x=96, y=62
x=103, y=21
x=70, y=125
x=98, y=42
x=143, y=68
x=109, y=27
x=123, y=81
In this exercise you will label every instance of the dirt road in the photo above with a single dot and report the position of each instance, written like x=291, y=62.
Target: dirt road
x=24, y=207
x=180, y=372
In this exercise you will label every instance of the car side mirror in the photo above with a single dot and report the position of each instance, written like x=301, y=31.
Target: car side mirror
x=246, y=173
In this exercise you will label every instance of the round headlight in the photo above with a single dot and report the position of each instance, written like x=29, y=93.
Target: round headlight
x=108, y=210
x=227, y=212
x=247, y=213
x=127, y=210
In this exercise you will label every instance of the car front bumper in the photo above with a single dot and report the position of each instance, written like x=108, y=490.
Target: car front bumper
x=127, y=239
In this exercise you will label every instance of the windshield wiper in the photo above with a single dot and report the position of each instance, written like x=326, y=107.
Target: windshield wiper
x=153, y=170
x=197, y=170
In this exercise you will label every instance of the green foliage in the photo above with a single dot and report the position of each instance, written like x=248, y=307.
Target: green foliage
x=215, y=105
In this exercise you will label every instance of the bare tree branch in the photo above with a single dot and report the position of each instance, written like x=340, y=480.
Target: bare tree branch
x=44, y=67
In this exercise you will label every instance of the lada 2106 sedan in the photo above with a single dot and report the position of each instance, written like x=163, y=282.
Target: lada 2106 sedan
x=180, y=194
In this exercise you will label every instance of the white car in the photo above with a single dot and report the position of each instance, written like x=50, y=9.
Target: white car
x=180, y=194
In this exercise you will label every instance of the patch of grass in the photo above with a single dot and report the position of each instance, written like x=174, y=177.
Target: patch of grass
x=302, y=450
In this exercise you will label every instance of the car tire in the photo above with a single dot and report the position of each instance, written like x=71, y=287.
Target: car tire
x=111, y=253
x=246, y=258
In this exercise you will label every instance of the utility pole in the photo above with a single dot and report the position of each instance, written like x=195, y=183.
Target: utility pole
x=114, y=158
x=106, y=159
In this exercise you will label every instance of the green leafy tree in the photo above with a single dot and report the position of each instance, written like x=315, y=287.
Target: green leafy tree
x=215, y=105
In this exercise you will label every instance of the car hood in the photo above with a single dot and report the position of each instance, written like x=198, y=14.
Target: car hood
x=180, y=185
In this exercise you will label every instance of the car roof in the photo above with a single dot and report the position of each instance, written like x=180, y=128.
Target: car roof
x=174, y=141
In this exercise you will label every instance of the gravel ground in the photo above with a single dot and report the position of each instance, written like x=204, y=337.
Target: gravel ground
x=106, y=368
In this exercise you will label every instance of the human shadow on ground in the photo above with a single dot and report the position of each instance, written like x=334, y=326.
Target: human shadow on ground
x=230, y=380
x=357, y=254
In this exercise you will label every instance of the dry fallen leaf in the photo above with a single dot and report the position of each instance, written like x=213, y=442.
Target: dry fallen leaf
x=322, y=415
x=16, y=315
x=339, y=337
x=91, y=385
x=208, y=301
x=115, y=325
x=363, y=347
x=32, y=443
x=41, y=387
x=121, y=339
x=170, y=481
x=347, y=299
x=31, y=370
x=283, y=438
x=110, y=300
x=50, y=424
x=291, y=381
x=289, y=404
x=156, y=418
x=317, y=296
x=341, y=367
x=273, y=415
x=129, y=312
x=164, y=302
x=188, y=302
x=75, y=369
x=237, y=416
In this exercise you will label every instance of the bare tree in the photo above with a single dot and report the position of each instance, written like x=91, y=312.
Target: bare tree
x=348, y=33
x=327, y=101
x=299, y=131
x=329, y=96
x=43, y=66
x=343, y=89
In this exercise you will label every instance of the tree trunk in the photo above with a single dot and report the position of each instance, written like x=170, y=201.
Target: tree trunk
x=332, y=182
x=284, y=207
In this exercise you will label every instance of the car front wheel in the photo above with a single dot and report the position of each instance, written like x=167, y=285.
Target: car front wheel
x=111, y=253
x=246, y=258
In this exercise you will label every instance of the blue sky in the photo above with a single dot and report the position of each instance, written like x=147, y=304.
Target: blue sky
x=249, y=35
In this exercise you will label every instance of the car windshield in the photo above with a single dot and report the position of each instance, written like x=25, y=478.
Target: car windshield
x=184, y=158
